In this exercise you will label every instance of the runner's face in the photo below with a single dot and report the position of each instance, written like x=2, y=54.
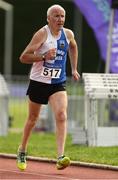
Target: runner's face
x=57, y=19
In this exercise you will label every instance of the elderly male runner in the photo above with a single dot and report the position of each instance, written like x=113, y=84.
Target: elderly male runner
x=47, y=51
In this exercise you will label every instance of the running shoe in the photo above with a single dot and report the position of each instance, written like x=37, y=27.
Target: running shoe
x=63, y=162
x=21, y=160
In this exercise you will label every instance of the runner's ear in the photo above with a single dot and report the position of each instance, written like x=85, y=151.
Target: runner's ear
x=47, y=18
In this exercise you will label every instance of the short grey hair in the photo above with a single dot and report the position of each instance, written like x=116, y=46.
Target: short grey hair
x=55, y=6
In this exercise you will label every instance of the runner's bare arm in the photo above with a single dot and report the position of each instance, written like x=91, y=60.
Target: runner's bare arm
x=73, y=54
x=28, y=56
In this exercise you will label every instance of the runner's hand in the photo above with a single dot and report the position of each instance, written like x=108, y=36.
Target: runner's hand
x=50, y=54
x=76, y=75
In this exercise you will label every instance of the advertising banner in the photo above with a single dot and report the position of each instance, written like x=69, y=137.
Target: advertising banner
x=97, y=14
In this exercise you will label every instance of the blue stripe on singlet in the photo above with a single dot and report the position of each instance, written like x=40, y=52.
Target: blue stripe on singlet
x=60, y=62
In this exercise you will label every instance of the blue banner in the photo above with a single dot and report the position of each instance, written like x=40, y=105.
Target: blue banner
x=97, y=13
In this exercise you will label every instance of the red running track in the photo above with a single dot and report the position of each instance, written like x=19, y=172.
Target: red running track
x=46, y=171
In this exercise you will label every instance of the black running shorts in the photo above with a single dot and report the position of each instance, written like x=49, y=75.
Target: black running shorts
x=40, y=92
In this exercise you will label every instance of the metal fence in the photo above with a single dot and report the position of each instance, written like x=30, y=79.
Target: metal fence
x=18, y=105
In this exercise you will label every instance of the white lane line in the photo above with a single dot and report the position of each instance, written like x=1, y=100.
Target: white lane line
x=38, y=174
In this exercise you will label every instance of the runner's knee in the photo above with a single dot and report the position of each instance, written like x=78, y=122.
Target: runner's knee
x=32, y=119
x=61, y=116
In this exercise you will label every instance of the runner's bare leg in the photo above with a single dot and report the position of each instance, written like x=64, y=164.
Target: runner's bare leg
x=58, y=102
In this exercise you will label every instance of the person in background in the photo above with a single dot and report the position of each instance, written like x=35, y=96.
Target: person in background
x=47, y=52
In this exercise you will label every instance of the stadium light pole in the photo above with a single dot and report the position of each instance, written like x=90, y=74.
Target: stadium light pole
x=114, y=5
x=8, y=8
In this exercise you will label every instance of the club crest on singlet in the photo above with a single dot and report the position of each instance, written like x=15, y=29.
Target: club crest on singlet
x=61, y=44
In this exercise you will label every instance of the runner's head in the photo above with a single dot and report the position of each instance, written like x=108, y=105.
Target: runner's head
x=56, y=17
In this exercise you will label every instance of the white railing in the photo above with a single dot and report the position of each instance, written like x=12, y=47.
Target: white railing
x=99, y=87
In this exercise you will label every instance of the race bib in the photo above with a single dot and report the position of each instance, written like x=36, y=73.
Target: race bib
x=51, y=72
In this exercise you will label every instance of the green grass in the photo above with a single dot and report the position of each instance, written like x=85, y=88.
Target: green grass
x=43, y=145
x=18, y=112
